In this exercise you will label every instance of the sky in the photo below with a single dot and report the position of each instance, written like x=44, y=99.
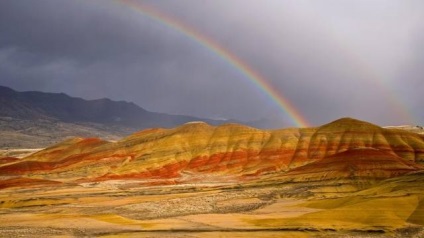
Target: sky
x=327, y=58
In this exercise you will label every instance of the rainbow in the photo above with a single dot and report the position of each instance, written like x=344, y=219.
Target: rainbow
x=254, y=77
x=341, y=43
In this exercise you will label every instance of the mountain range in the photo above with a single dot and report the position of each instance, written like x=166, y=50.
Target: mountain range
x=37, y=119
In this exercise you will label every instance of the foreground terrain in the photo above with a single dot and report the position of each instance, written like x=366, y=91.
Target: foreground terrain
x=346, y=178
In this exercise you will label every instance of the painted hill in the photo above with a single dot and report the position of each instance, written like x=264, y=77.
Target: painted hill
x=347, y=178
x=364, y=163
x=346, y=148
x=37, y=119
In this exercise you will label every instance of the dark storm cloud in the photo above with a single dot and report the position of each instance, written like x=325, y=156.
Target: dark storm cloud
x=329, y=58
x=84, y=31
x=103, y=49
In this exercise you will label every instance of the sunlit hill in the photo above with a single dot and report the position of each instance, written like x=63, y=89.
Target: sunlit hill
x=345, y=176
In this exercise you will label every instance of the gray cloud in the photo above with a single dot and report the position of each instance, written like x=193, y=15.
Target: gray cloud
x=410, y=81
x=329, y=58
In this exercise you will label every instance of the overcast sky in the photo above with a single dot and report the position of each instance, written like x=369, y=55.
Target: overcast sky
x=329, y=58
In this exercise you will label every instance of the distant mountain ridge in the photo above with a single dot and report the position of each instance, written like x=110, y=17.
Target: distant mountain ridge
x=37, y=119
x=35, y=105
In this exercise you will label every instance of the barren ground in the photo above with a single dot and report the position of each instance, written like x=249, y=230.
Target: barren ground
x=119, y=209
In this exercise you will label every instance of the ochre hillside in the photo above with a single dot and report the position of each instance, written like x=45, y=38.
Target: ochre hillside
x=347, y=178
x=345, y=148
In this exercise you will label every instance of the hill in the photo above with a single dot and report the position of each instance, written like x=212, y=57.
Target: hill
x=348, y=146
x=347, y=178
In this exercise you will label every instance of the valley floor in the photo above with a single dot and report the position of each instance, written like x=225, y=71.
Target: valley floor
x=393, y=208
